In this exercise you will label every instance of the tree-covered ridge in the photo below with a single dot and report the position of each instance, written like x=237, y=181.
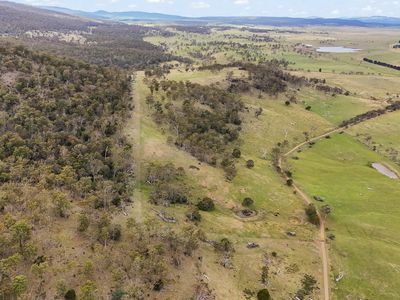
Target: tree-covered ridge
x=205, y=120
x=65, y=170
x=59, y=122
x=102, y=43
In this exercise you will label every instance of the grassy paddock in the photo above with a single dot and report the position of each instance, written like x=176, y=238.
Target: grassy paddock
x=364, y=219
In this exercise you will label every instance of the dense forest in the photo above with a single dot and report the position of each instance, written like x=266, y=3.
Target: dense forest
x=112, y=45
x=65, y=165
x=17, y=19
x=101, y=43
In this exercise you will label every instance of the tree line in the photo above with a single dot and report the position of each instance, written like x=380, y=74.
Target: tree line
x=382, y=64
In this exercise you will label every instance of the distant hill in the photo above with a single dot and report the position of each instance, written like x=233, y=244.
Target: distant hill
x=380, y=20
x=109, y=43
x=18, y=18
x=128, y=15
x=272, y=21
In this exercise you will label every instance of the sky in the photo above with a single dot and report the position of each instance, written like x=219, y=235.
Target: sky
x=289, y=8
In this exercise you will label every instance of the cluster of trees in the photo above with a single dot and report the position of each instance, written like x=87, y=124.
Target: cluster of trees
x=60, y=143
x=168, y=184
x=371, y=114
x=382, y=64
x=205, y=120
x=268, y=77
x=193, y=29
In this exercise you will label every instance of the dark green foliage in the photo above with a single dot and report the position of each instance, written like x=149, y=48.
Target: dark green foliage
x=206, y=204
x=236, y=153
x=263, y=295
x=247, y=202
x=250, y=164
x=309, y=284
x=312, y=214
x=70, y=295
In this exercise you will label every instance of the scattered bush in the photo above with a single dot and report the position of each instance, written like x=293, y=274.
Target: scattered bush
x=247, y=202
x=263, y=295
x=84, y=222
x=312, y=214
x=115, y=232
x=194, y=215
x=236, y=153
x=250, y=164
x=206, y=204
x=70, y=295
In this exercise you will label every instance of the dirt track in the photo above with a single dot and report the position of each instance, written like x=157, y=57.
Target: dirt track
x=322, y=236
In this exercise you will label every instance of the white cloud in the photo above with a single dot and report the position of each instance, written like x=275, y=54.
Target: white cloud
x=241, y=2
x=367, y=8
x=200, y=5
x=335, y=12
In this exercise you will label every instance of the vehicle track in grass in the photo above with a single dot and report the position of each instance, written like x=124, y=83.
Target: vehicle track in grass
x=323, y=248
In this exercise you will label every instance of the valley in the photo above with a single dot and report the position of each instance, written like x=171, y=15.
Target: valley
x=160, y=159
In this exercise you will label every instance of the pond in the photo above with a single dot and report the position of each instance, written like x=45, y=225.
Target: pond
x=385, y=170
x=339, y=49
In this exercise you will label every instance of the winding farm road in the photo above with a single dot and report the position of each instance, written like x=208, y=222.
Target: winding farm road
x=322, y=228
x=322, y=236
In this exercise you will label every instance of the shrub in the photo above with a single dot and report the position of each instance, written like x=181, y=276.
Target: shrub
x=118, y=295
x=84, y=222
x=158, y=285
x=250, y=164
x=263, y=295
x=194, y=215
x=206, y=204
x=247, y=202
x=224, y=245
x=312, y=214
x=236, y=153
x=70, y=295
x=115, y=232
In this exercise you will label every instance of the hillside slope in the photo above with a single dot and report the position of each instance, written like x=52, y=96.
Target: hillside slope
x=18, y=18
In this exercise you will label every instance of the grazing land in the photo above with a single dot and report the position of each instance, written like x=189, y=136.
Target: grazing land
x=165, y=160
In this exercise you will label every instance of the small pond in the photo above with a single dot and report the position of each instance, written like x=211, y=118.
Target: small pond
x=385, y=170
x=339, y=49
